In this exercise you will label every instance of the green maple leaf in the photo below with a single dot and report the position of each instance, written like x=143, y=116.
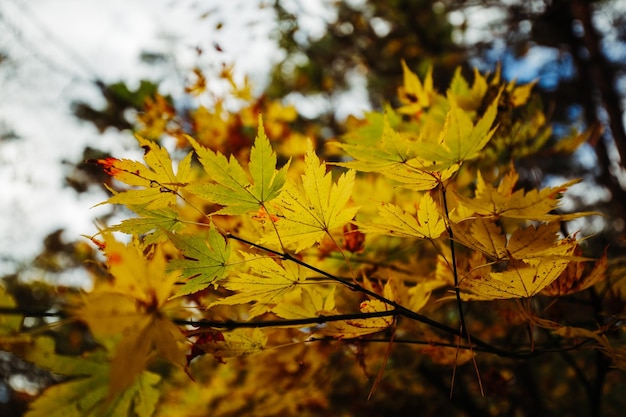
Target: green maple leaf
x=152, y=224
x=231, y=187
x=206, y=260
x=396, y=157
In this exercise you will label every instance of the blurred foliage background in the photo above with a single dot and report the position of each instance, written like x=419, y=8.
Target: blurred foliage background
x=574, y=49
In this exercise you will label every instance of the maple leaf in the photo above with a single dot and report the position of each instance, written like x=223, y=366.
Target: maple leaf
x=486, y=236
x=268, y=283
x=460, y=140
x=308, y=303
x=577, y=278
x=504, y=202
x=153, y=225
x=159, y=185
x=308, y=213
x=413, y=94
x=397, y=158
x=238, y=342
x=205, y=259
x=231, y=186
x=428, y=224
x=86, y=393
x=468, y=98
x=522, y=278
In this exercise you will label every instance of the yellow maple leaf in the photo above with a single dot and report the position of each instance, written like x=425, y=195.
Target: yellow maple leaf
x=414, y=94
x=460, y=139
x=130, y=308
x=85, y=390
x=310, y=211
x=578, y=278
x=486, y=236
x=349, y=329
x=502, y=201
x=427, y=224
x=267, y=283
x=522, y=278
x=238, y=342
x=308, y=303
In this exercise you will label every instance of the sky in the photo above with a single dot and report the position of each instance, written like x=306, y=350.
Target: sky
x=56, y=49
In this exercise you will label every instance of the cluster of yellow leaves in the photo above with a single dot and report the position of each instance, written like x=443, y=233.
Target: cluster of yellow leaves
x=131, y=308
x=240, y=230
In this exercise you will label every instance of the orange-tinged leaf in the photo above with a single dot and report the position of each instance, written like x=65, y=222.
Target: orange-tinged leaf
x=136, y=276
x=159, y=185
x=310, y=211
x=485, y=235
x=129, y=309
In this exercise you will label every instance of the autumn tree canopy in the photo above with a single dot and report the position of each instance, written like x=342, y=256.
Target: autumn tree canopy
x=263, y=266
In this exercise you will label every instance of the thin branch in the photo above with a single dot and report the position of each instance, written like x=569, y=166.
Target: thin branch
x=455, y=273
x=230, y=325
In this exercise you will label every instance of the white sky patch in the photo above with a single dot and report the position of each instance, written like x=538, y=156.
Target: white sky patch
x=57, y=49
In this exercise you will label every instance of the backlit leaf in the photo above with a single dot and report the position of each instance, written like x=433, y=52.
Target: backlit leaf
x=397, y=158
x=266, y=284
x=205, y=259
x=153, y=225
x=504, y=202
x=308, y=212
x=231, y=187
x=427, y=224
x=522, y=278
x=157, y=182
x=460, y=139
